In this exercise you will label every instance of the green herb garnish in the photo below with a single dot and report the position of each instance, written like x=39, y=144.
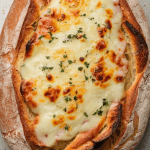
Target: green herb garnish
x=47, y=57
x=66, y=127
x=47, y=68
x=41, y=37
x=65, y=56
x=67, y=99
x=54, y=116
x=86, y=64
x=80, y=68
x=85, y=114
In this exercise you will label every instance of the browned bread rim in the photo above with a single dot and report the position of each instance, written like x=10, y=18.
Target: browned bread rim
x=139, y=69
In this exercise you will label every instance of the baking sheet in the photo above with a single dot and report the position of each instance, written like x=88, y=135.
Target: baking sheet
x=4, y=8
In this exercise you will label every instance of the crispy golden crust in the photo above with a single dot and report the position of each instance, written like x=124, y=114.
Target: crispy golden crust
x=140, y=54
x=85, y=141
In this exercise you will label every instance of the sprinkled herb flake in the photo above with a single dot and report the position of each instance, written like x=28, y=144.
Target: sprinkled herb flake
x=50, y=41
x=65, y=109
x=54, y=116
x=99, y=111
x=66, y=127
x=105, y=103
x=75, y=98
x=70, y=61
x=41, y=37
x=67, y=99
x=71, y=83
x=84, y=36
x=70, y=78
x=47, y=68
x=50, y=34
x=80, y=30
x=86, y=64
x=65, y=56
x=86, y=78
x=62, y=70
x=60, y=63
x=85, y=114
x=98, y=25
x=83, y=15
x=91, y=18
x=49, y=10
x=80, y=68
x=23, y=65
x=47, y=57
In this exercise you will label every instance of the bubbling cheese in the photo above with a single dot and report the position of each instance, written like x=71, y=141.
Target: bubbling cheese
x=74, y=67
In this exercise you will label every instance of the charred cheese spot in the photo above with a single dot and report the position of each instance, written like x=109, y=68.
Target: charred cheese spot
x=50, y=77
x=102, y=31
x=72, y=3
x=99, y=4
x=71, y=117
x=101, y=73
x=58, y=120
x=28, y=93
x=52, y=94
x=75, y=12
x=81, y=59
x=109, y=13
x=108, y=24
x=71, y=109
x=119, y=79
x=66, y=91
x=112, y=56
x=46, y=25
x=101, y=45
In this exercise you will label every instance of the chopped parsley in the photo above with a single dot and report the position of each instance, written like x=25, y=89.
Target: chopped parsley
x=47, y=57
x=105, y=103
x=54, y=116
x=49, y=10
x=67, y=99
x=86, y=64
x=86, y=78
x=50, y=41
x=65, y=56
x=50, y=33
x=83, y=15
x=98, y=25
x=85, y=114
x=66, y=127
x=23, y=65
x=80, y=30
x=62, y=70
x=71, y=83
x=70, y=78
x=60, y=63
x=84, y=36
x=65, y=109
x=70, y=61
x=91, y=18
x=41, y=37
x=99, y=111
x=75, y=98
x=80, y=68
x=47, y=68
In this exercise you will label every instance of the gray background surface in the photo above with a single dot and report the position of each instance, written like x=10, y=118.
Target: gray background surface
x=4, y=8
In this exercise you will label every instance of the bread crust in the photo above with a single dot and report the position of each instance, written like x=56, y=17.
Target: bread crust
x=141, y=64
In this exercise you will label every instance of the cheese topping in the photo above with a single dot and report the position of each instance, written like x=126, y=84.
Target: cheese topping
x=74, y=67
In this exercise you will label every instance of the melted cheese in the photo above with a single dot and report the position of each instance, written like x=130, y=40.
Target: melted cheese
x=69, y=91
